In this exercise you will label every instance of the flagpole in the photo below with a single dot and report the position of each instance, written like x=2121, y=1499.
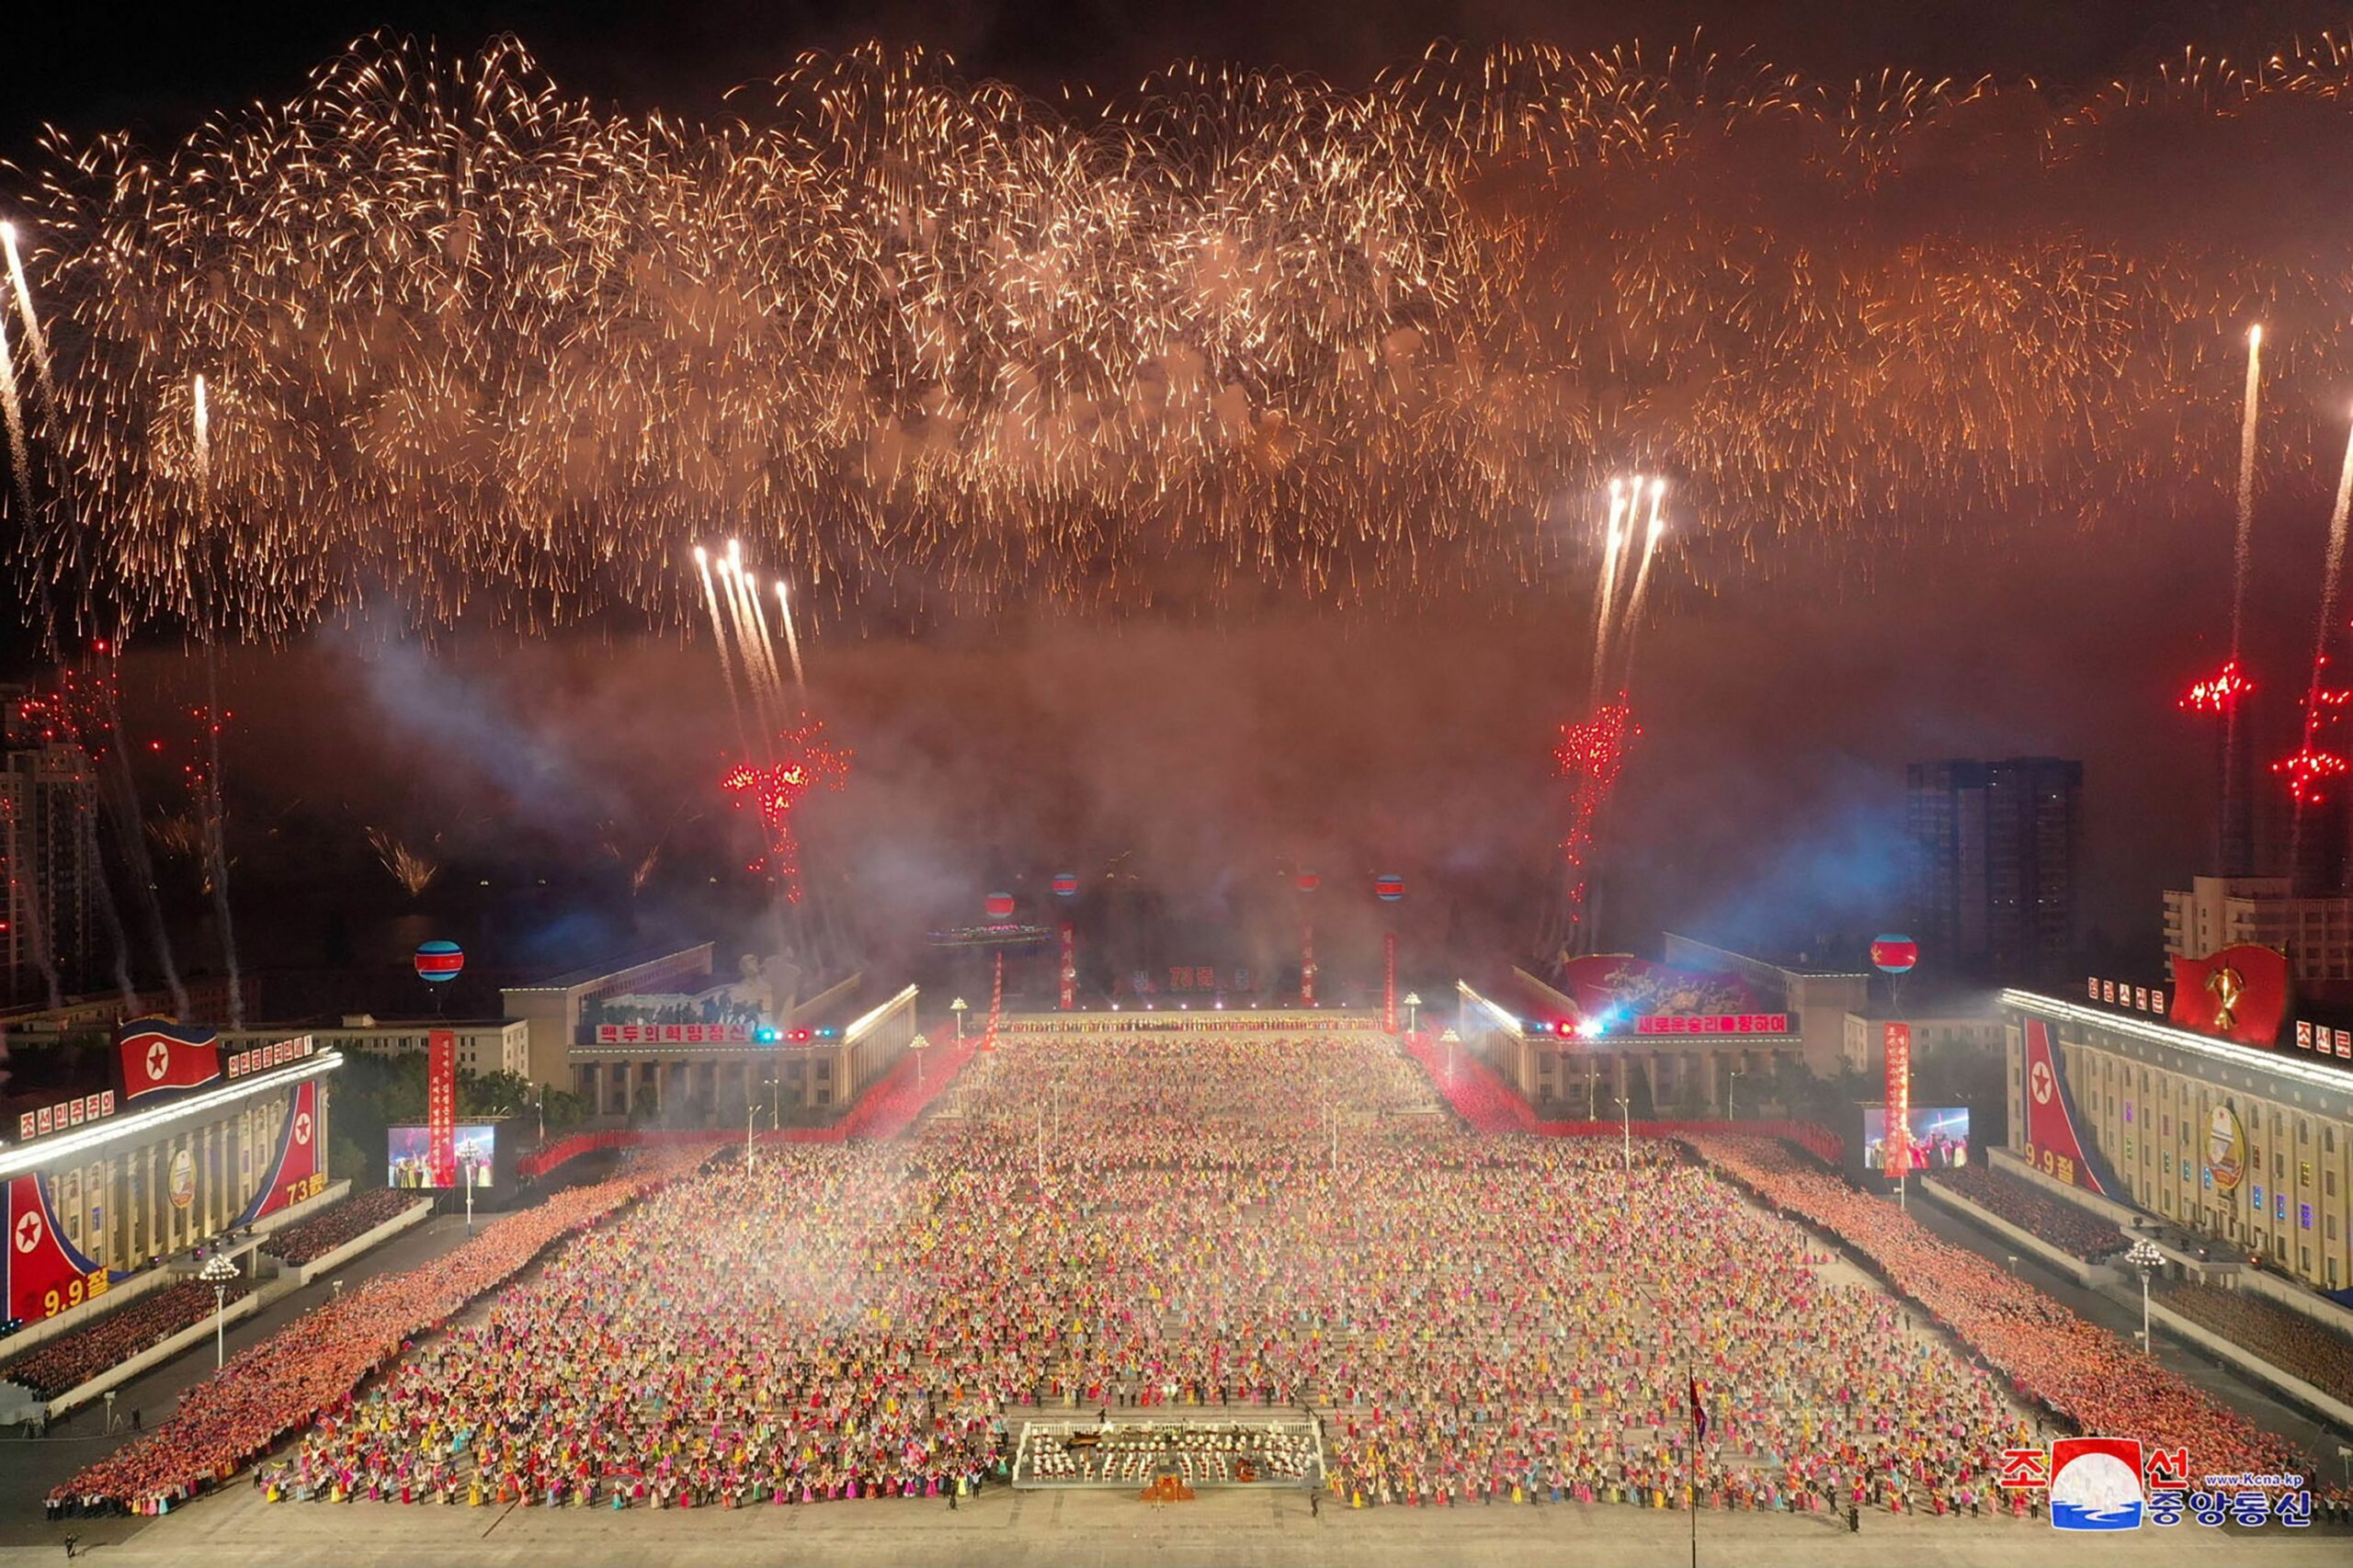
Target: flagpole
x=1699, y=1437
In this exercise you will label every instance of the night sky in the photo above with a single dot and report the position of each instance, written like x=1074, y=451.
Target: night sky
x=1762, y=805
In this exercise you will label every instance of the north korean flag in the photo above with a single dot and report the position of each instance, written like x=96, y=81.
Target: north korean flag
x=158, y=1054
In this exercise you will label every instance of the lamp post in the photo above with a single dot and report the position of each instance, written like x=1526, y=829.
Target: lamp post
x=217, y=1272
x=2144, y=1256
x=1729, y=1084
x=1626, y=1118
x=1413, y=1010
x=956, y=1007
x=918, y=1045
x=1450, y=1040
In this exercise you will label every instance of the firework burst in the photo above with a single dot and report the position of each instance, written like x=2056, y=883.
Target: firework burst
x=804, y=763
x=468, y=344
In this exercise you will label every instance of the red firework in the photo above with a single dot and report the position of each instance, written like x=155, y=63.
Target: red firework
x=2306, y=771
x=2218, y=693
x=804, y=762
x=1590, y=755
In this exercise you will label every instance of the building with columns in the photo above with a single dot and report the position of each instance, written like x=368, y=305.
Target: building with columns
x=113, y=1184
x=811, y=1066
x=1533, y=1041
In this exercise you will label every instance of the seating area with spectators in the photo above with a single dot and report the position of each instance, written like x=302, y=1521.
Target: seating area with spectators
x=348, y=1220
x=2072, y=1229
x=70, y=1360
x=2286, y=1338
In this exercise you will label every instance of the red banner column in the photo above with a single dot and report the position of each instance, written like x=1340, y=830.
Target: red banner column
x=441, y=1105
x=1388, y=982
x=1307, y=964
x=1070, y=966
x=1898, y=1039
x=996, y=1003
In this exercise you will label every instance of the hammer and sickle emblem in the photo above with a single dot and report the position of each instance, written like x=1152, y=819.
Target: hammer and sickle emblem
x=2228, y=987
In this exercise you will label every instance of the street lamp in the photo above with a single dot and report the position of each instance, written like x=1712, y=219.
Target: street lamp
x=1626, y=1116
x=2145, y=1255
x=1450, y=1040
x=918, y=1045
x=1729, y=1084
x=956, y=1007
x=217, y=1272
x=1413, y=1010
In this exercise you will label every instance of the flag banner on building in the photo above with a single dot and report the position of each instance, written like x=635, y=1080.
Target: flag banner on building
x=1070, y=964
x=1307, y=965
x=47, y=1274
x=299, y=1173
x=441, y=1105
x=156, y=1054
x=2052, y=1144
x=2240, y=994
x=1899, y=1100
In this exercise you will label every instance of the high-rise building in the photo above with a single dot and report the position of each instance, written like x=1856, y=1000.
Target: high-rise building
x=2214, y=913
x=1996, y=855
x=48, y=864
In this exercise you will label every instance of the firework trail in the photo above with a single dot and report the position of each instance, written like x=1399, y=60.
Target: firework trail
x=763, y=642
x=792, y=643
x=25, y=897
x=719, y=640
x=2240, y=555
x=106, y=911
x=24, y=312
x=2332, y=567
x=12, y=412
x=1657, y=525
x=1622, y=500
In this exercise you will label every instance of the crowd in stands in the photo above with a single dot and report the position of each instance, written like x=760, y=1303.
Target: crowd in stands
x=72, y=1360
x=1186, y=1222
x=2098, y=1382
x=282, y=1383
x=347, y=1221
x=2070, y=1227
x=2286, y=1338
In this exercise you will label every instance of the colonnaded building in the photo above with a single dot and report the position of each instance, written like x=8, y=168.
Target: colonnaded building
x=178, y=1140
x=2210, y=1102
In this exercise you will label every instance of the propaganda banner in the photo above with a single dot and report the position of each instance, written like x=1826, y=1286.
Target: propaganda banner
x=299, y=1172
x=156, y=1054
x=1899, y=1100
x=2052, y=1145
x=1070, y=966
x=441, y=1105
x=46, y=1273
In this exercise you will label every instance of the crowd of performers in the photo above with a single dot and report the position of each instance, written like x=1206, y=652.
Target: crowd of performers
x=1472, y=1318
x=1193, y=1224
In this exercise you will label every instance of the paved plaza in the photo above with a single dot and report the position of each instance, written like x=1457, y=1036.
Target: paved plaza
x=1066, y=1529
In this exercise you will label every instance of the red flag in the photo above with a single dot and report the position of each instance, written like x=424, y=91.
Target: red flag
x=1698, y=1412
